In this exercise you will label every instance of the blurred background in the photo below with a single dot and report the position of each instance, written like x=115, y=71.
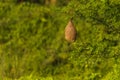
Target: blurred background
x=33, y=47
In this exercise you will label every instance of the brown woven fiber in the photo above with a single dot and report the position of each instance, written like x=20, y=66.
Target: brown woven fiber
x=70, y=32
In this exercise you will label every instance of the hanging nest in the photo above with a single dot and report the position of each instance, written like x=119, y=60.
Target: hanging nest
x=70, y=32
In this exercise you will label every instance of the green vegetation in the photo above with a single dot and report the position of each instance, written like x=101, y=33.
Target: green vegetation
x=32, y=44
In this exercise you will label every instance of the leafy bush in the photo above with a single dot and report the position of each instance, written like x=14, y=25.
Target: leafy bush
x=32, y=44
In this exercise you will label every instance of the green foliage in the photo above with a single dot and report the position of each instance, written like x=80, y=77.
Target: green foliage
x=32, y=45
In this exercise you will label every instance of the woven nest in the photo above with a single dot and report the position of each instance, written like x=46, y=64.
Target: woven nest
x=70, y=32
